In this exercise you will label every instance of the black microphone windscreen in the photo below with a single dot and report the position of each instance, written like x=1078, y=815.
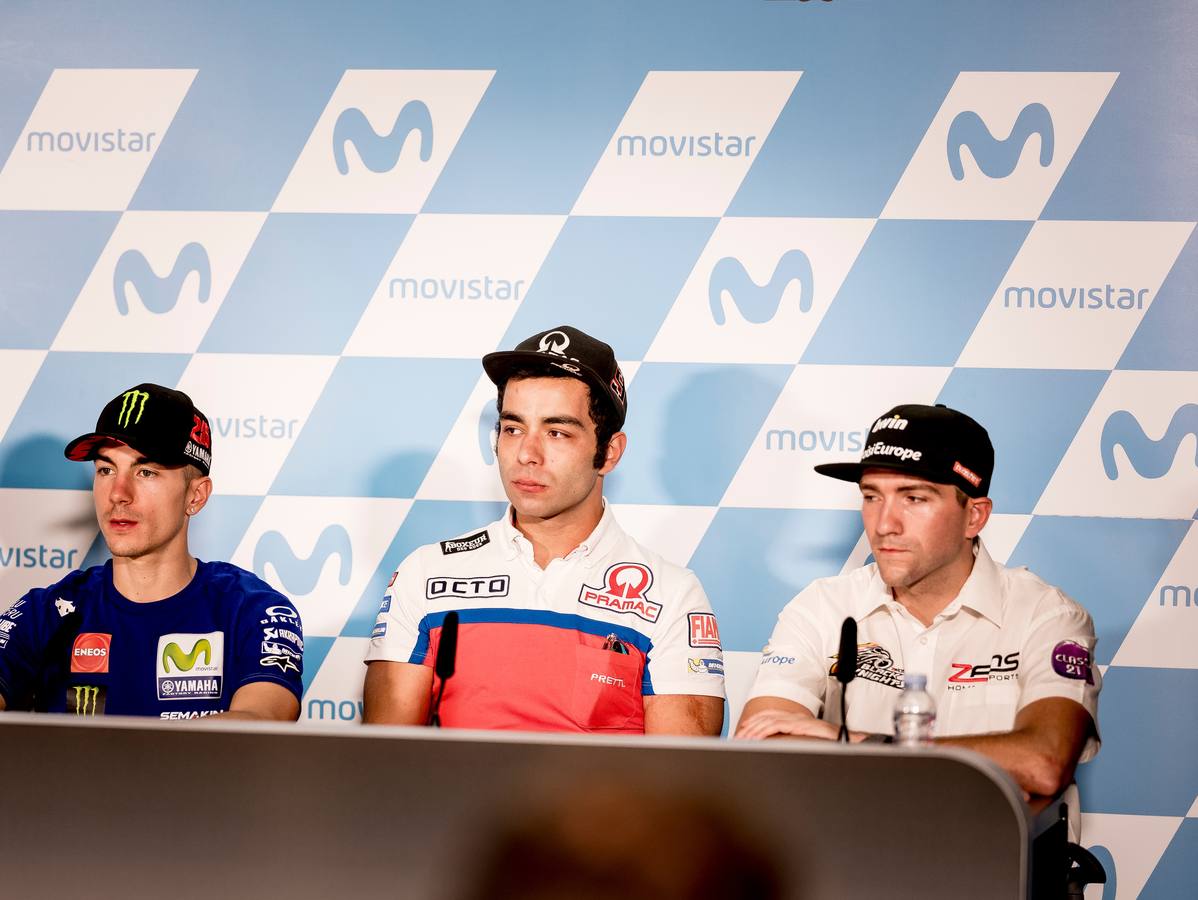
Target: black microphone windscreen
x=846, y=658
x=447, y=649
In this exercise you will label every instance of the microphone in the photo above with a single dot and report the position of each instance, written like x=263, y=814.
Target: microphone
x=443, y=666
x=846, y=670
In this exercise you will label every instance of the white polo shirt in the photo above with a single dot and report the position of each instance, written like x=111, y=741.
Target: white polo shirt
x=1008, y=640
x=575, y=646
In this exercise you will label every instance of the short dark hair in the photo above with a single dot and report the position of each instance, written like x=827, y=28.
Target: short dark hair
x=598, y=406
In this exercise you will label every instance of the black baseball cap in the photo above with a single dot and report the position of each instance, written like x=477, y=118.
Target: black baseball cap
x=161, y=424
x=572, y=351
x=933, y=442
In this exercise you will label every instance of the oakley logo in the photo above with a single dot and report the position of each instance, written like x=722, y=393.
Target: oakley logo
x=759, y=303
x=133, y=404
x=998, y=159
x=1150, y=459
x=300, y=574
x=160, y=295
x=380, y=153
x=185, y=662
x=554, y=342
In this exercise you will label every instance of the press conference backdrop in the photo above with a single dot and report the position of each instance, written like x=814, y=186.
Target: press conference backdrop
x=785, y=216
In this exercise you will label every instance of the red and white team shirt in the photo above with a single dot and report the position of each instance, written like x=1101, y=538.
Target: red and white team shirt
x=571, y=647
x=1008, y=640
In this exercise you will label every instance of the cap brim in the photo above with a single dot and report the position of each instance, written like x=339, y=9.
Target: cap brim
x=853, y=471
x=84, y=447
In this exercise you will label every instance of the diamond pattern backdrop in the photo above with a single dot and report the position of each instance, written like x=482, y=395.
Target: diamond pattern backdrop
x=784, y=215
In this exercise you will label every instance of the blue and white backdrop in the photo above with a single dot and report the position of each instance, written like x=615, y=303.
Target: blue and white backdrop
x=784, y=215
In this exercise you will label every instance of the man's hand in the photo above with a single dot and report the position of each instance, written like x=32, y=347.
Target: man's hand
x=765, y=717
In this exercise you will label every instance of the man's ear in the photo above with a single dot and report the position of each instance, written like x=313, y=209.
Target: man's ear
x=198, y=493
x=615, y=449
x=978, y=514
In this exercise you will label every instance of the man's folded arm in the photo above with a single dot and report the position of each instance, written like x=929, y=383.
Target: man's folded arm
x=396, y=693
x=263, y=701
x=689, y=714
x=1043, y=748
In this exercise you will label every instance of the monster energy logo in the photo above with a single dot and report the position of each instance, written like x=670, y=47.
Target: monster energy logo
x=184, y=662
x=86, y=697
x=129, y=404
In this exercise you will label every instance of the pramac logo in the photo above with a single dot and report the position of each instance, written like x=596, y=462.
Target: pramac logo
x=998, y=159
x=160, y=295
x=380, y=153
x=300, y=574
x=625, y=590
x=759, y=303
x=1150, y=459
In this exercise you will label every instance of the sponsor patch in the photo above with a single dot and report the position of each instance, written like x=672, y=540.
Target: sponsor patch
x=706, y=666
x=64, y=607
x=385, y=606
x=86, y=699
x=874, y=663
x=704, y=631
x=466, y=544
x=625, y=588
x=968, y=474
x=191, y=666
x=484, y=587
x=379, y=630
x=286, y=663
x=394, y=575
x=90, y=653
x=776, y=659
x=998, y=668
x=280, y=613
x=1071, y=660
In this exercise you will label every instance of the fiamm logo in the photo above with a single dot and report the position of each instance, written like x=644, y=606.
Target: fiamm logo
x=759, y=303
x=998, y=159
x=380, y=153
x=299, y=575
x=185, y=662
x=160, y=295
x=1150, y=459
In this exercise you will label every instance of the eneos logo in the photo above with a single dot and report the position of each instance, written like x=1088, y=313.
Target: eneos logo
x=90, y=652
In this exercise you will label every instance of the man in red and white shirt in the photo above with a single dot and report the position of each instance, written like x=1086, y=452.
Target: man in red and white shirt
x=567, y=623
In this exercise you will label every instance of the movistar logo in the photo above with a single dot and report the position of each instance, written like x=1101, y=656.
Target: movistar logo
x=380, y=153
x=159, y=295
x=1151, y=459
x=185, y=662
x=299, y=575
x=759, y=303
x=998, y=159
x=86, y=698
x=133, y=404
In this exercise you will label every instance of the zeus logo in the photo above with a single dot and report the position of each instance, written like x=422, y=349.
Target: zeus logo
x=159, y=295
x=298, y=575
x=185, y=662
x=487, y=421
x=998, y=159
x=1150, y=459
x=380, y=153
x=758, y=303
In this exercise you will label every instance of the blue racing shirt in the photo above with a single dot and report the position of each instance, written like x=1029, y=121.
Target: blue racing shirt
x=79, y=646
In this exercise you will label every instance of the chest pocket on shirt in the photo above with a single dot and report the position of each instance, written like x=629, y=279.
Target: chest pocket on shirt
x=607, y=688
x=985, y=708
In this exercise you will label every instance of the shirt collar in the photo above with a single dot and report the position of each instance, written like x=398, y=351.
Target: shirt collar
x=514, y=543
x=982, y=591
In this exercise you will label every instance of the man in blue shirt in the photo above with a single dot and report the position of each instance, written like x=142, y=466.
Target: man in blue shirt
x=153, y=632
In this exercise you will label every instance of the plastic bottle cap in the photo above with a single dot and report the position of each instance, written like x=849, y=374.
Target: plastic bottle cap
x=915, y=681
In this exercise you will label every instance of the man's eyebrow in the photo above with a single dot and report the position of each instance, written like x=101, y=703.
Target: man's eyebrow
x=563, y=420
x=140, y=461
x=905, y=489
x=511, y=417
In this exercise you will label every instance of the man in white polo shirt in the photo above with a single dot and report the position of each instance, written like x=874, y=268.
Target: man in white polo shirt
x=1009, y=658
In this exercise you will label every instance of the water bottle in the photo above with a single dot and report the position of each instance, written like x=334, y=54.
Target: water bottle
x=914, y=713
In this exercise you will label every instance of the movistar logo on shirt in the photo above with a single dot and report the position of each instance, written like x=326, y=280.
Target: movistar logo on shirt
x=190, y=666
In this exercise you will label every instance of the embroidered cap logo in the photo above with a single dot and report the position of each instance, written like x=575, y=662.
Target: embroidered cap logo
x=133, y=404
